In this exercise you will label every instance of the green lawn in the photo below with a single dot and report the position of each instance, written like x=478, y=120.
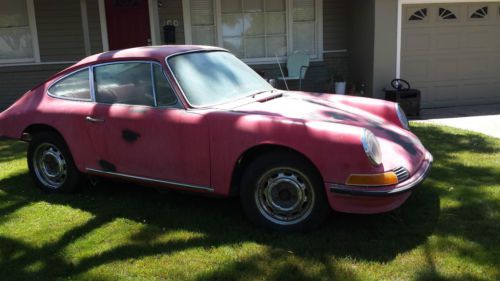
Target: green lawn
x=448, y=230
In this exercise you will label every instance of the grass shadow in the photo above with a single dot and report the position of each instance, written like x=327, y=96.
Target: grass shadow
x=374, y=238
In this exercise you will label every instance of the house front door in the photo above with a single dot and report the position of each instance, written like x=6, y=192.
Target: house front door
x=128, y=23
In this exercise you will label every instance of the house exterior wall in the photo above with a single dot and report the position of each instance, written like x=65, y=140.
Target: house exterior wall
x=336, y=48
x=361, y=40
x=169, y=14
x=16, y=80
x=385, y=45
x=60, y=32
x=60, y=36
x=61, y=40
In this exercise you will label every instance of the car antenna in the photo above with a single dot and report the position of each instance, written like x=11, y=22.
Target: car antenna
x=281, y=69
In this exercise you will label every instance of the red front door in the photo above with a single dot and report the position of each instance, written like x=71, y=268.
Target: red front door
x=128, y=23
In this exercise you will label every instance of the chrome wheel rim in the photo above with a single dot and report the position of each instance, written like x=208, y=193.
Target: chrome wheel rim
x=50, y=166
x=284, y=196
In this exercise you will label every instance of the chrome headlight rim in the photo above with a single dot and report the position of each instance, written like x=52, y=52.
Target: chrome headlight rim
x=402, y=117
x=371, y=146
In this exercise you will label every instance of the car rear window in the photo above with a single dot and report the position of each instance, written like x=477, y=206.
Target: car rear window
x=74, y=86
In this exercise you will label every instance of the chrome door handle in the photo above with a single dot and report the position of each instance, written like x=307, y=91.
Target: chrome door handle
x=93, y=120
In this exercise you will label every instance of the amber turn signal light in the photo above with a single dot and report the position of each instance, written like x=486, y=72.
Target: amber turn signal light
x=389, y=178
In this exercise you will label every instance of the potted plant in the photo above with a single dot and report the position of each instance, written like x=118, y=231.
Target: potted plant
x=340, y=84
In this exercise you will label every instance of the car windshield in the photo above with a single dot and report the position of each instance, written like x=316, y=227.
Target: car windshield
x=211, y=78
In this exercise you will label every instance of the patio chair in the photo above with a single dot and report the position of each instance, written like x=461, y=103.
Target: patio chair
x=297, y=65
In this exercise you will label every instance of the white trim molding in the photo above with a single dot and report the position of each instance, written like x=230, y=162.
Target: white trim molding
x=398, y=39
x=104, y=25
x=34, y=32
x=154, y=22
x=85, y=26
x=37, y=63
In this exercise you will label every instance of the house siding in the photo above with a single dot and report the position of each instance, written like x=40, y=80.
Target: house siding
x=16, y=80
x=361, y=37
x=60, y=36
x=60, y=32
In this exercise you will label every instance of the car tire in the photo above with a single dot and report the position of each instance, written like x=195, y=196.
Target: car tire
x=51, y=164
x=282, y=191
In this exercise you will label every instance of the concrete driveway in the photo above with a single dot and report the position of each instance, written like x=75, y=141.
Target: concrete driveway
x=481, y=118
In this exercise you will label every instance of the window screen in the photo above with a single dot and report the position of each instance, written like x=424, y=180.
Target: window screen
x=124, y=83
x=75, y=86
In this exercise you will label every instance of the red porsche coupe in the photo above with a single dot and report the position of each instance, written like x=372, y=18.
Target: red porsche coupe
x=197, y=118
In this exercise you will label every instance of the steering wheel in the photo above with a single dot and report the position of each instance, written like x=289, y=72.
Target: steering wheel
x=400, y=84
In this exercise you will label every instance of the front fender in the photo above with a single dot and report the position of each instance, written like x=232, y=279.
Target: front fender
x=335, y=149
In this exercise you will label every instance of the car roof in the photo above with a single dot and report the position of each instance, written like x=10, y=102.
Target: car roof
x=158, y=53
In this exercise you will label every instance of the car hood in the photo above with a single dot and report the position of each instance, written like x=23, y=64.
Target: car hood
x=399, y=146
x=308, y=107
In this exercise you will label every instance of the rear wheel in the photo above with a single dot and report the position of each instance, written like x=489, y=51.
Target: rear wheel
x=51, y=165
x=282, y=191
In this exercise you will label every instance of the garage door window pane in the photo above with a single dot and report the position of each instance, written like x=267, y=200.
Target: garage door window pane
x=15, y=33
x=75, y=86
x=124, y=83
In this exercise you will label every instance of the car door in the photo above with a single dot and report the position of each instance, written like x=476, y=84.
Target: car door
x=141, y=130
x=70, y=104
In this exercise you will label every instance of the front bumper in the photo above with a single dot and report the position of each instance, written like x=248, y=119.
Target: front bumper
x=403, y=187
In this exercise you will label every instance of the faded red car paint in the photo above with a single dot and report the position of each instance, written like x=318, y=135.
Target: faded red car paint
x=203, y=146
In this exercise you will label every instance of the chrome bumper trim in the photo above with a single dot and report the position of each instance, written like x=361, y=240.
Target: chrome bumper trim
x=406, y=186
x=148, y=180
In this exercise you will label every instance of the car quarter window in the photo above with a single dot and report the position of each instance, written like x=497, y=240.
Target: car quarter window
x=74, y=86
x=124, y=83
x=164, y=94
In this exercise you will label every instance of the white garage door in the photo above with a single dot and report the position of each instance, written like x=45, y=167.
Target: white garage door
x=452, y=52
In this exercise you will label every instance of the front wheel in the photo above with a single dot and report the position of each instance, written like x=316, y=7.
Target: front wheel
x=51, y=165
x=282, y=191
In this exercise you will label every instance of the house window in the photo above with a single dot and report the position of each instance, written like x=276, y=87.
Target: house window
x=256, y=30
x=16, y=32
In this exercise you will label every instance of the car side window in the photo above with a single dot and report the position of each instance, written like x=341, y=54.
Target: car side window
x=164, y=94
x=124, y=83
x=74, y=86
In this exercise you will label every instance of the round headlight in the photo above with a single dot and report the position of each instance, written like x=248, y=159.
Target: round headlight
x=371, y=147
x=402, y=117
